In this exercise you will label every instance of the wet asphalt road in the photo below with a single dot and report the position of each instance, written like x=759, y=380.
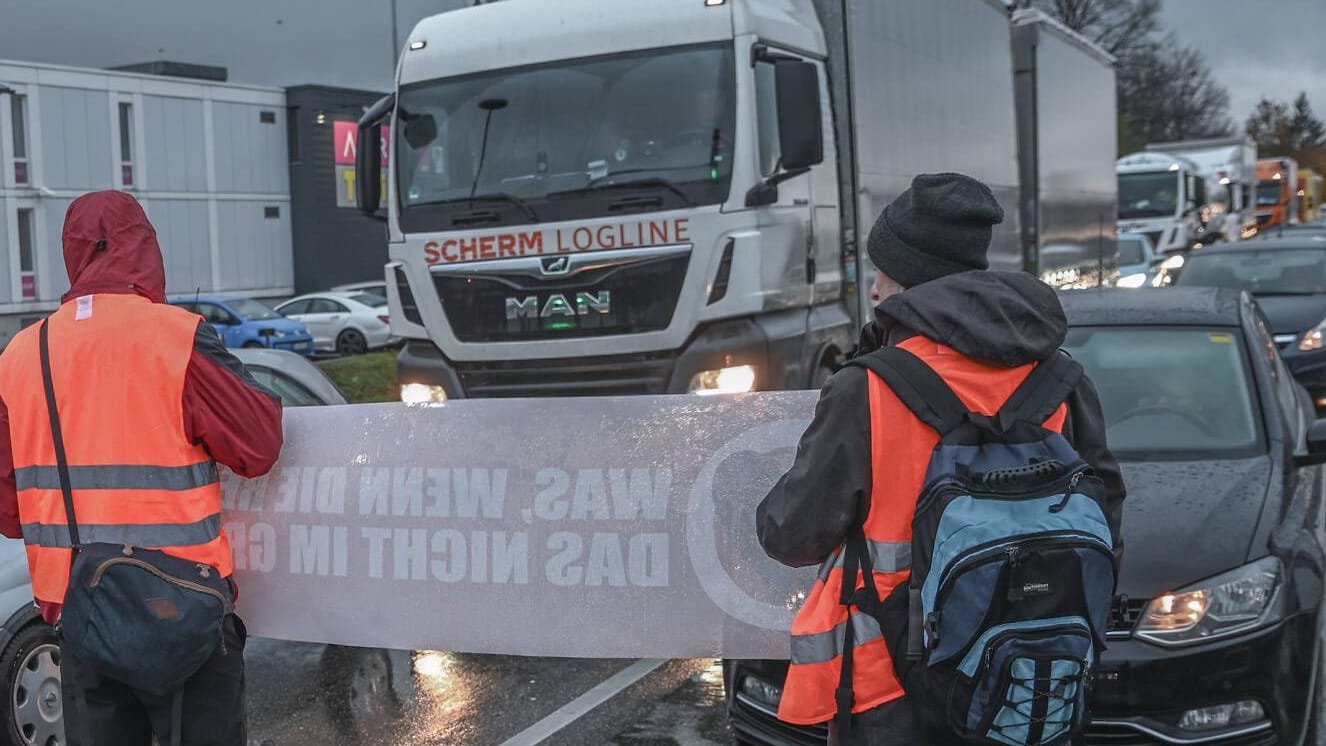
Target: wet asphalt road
x=304, y=693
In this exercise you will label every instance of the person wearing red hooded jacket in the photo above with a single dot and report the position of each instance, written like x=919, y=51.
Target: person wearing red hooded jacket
x=150, y=401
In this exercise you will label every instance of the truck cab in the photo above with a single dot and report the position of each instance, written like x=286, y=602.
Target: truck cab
x=1163, y=196
x=639, y=203
x=1277, y=192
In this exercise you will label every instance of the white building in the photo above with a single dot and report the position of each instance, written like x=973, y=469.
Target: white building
x=207, y=160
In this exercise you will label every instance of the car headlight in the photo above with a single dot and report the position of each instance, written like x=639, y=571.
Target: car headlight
x=735, y=380
x=1313, y=338
x=422, y=393
x=1132, y=281
x=1233, y=602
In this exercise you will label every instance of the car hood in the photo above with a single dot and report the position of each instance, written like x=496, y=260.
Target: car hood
x=1188, y=520
x=1293, y=314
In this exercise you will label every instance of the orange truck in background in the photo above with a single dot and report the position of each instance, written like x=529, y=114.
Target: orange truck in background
x=1310, y=194
x=1277, y=192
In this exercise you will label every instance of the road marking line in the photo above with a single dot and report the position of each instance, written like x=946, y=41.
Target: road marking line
x=578, y=707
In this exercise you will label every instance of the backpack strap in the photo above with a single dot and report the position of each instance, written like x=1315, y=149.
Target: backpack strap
x=918, y=386
x=1048, y=385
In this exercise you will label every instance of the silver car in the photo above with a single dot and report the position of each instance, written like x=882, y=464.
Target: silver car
x=29, y=650
x=348, y=323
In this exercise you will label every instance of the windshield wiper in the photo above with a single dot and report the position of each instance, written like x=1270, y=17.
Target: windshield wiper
x=595, y=185
x=510, y=199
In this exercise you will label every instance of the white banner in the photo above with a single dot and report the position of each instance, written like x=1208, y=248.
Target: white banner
x=598, y=527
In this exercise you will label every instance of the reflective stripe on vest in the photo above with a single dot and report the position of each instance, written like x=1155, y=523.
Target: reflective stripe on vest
x=116, y=477
x=139, y=534
x=885, y=557
x=823, y=647
x=901, y=449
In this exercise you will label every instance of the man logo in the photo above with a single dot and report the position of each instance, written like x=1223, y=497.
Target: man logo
x=555, y=265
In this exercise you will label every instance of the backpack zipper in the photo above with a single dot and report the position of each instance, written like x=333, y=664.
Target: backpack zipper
x=225, y=602
x=958, y=488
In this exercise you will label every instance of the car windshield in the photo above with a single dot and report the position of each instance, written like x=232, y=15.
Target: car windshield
x=372, y=300
x=1130, y=251
x=252, y=310
x=1148, y=195
x=1155, y=404
x=1260, y=272
x=507, y=140
x=1268, y=193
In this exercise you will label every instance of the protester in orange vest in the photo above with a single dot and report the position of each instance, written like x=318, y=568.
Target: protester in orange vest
x=864, y=457
x=149, y=402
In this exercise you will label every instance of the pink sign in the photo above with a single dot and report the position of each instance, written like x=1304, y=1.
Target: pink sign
x=29, y=283
x=346, y=137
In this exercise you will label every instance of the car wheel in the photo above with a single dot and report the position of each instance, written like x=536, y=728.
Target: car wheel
x=31, y=685
x=252, y=343
x=351, y=342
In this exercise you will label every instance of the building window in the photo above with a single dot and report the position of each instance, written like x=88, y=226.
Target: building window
x=292, y=132
x=26, y=267
x=18, y=108
x=126, y=144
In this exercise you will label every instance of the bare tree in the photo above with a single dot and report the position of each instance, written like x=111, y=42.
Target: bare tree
x=1166, y=91
x=1117, y=26
x=1291, y=130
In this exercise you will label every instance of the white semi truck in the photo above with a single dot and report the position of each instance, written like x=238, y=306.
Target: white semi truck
x=1163, y=196
x=1229, y=166
x=637, y=196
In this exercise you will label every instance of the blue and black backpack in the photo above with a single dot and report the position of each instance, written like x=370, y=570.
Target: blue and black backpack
x=1012, y=565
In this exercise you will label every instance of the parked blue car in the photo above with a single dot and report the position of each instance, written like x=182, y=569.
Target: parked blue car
x=244, y=322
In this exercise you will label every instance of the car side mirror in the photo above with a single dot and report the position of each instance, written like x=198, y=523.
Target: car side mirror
x=1316, y=454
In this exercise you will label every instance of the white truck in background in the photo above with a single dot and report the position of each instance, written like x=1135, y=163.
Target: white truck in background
x=1162, y=195
x=639, y=197
x=1229, y=166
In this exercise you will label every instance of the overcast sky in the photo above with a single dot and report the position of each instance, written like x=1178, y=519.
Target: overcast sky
x=1255, y=47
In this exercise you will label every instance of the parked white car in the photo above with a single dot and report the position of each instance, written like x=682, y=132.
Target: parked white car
x=349, y=323
x=376, y=287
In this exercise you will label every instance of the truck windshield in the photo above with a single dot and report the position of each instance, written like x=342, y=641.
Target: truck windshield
x=567, y=140
x=1148, y=195
x=1268, y=193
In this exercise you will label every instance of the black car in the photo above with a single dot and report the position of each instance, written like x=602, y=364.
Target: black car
x=1215, y=636
x=1288, y=278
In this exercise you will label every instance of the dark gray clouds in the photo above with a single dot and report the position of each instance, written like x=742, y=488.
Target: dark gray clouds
x=1255, y=47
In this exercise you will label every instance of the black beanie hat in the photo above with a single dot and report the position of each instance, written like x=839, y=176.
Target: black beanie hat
x=940, y=226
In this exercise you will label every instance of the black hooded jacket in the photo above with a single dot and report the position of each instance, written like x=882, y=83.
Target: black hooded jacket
x=1007, y=319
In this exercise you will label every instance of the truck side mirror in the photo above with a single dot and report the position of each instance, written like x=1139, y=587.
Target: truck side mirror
x=368, y=169
x=368, y=156
x=800, y=122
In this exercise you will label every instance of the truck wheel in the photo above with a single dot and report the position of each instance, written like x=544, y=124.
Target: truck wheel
x=31, y=687
x=351, y=342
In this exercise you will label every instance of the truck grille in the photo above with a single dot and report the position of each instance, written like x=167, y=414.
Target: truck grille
x=626, y=296
x=588, y=376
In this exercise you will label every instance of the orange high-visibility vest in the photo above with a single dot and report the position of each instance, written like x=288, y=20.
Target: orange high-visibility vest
x=118, y=364
x=901, y=447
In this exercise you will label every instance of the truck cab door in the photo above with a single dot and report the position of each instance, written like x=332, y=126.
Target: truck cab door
x=788, y=229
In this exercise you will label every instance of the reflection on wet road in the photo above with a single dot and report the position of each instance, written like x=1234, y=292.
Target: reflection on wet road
x=304, y=693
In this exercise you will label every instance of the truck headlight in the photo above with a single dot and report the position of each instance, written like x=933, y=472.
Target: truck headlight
x=735, y=380
x=422, y=393
x=1136, y=280
x=1233, y=602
